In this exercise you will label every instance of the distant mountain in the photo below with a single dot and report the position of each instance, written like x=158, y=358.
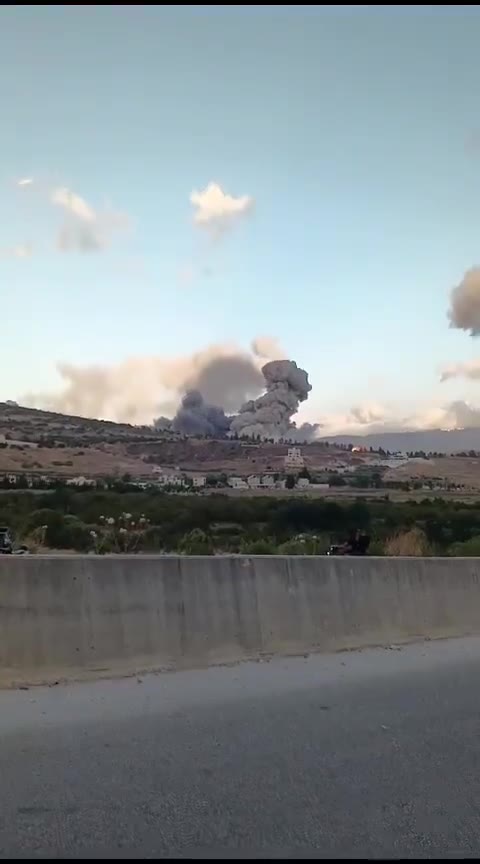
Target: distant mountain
x=428, y=440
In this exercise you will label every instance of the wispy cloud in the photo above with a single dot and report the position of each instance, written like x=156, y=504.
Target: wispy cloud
x=83, y=228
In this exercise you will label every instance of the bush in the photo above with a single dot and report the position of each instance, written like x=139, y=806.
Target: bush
x=259, y=547
x=412, y=543
x=76, y=535
x=196, y=542
x=308, y=545
x=467, y=549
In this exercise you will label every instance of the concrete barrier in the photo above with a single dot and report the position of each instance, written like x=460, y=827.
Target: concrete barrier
x=70, y=616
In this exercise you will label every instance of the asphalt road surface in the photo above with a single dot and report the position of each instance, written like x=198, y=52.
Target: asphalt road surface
x=358, y=754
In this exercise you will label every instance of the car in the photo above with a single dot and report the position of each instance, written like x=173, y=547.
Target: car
x=6, y=541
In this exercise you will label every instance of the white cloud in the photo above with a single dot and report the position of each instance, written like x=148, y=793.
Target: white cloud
x=469, y=369
x=368, y=419
x=73, y=204
x=218, y=211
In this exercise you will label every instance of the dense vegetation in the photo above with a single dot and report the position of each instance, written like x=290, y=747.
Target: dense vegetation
x=155, y=521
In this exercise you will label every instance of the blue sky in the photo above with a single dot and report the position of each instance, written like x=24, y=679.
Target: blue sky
x=356, y=132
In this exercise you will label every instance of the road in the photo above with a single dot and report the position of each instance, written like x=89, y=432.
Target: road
x=355, y=754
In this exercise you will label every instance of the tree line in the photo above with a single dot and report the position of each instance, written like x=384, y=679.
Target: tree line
x=154, y=521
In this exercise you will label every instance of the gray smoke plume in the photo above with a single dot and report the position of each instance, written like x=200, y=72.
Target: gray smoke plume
x=304, y=433
x=197, y=417
x=227, y=381
x=464, y=311
x=214, y=382
x=141, y=388
x=270, y=416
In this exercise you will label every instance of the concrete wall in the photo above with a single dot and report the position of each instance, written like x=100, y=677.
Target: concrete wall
x=61, y=616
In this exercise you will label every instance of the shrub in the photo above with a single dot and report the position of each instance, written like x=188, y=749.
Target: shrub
x=467, y=548
x=412, y=543
x=195, y=542
x=259, y=547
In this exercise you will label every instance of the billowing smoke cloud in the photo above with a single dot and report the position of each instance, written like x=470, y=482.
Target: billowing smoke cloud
x=227, y=381
x=270, y=416
x=304, y=433
x=212, y=385
x=197, y=417
x=464, y=311
x=142, y=388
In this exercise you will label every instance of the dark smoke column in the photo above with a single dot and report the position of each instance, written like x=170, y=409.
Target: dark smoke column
x=197, y=417
x=270, y=416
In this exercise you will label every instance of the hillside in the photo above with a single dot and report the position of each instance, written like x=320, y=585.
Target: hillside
x=41, y=443
x=50, y=429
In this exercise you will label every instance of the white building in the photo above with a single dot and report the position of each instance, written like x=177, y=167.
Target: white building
x=171, y=480
x=199, y=481
x=237, y=483
x=254, y=481
x=294, y=458
x=81, y=481
x=268, y=481
x=303, y=483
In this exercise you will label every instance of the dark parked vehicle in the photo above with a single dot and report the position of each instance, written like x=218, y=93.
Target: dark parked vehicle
x=357, y=544
x=6, y=541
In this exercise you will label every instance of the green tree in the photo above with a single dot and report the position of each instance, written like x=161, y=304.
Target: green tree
x=196, y=542
x=467, y=549
x=336, y=480
x=290, y=482
x=361, y=481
